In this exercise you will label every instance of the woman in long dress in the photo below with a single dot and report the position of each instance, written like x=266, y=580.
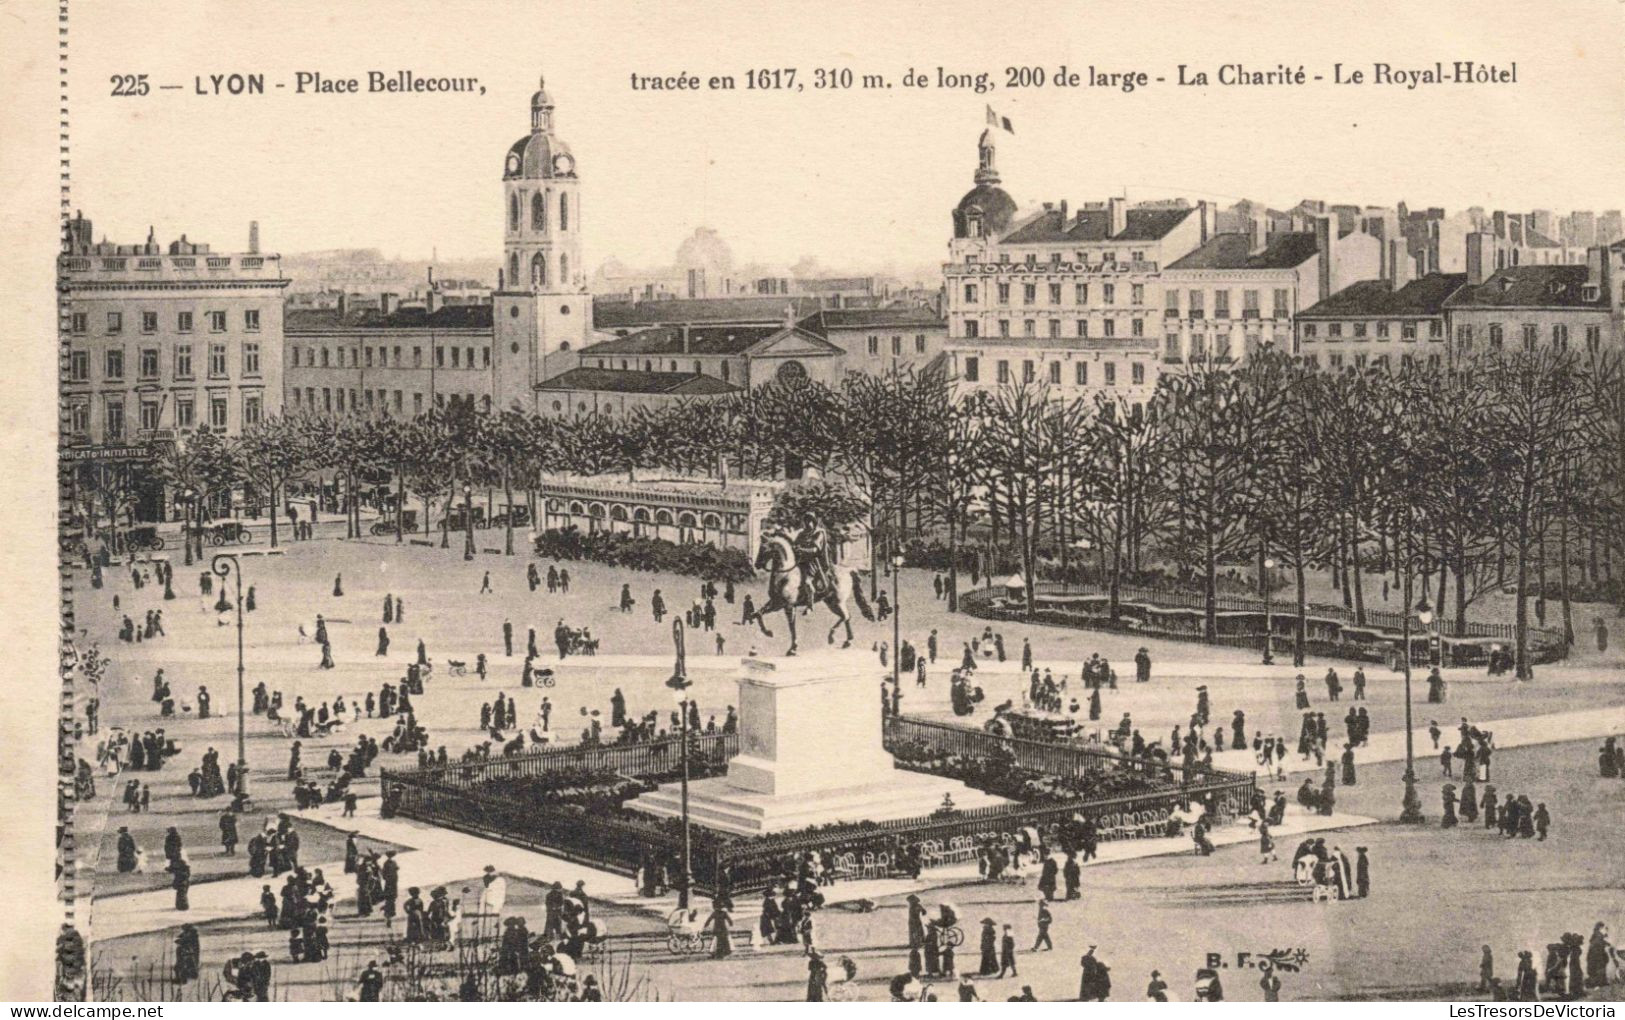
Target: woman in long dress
x=721, y=923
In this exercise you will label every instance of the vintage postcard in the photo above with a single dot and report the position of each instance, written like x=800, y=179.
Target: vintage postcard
x=645, y=503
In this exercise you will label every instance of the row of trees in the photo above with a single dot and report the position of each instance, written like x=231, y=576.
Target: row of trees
x=1470, y=480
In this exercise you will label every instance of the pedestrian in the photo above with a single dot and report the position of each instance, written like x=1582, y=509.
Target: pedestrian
x=383, y=641
x=182, y=881
x=485, y=584
x=507, y=638
x=338, y=585
x=1157, y=989
x=1486, y=969
x=1271, y=985
x=228, y=832
x=1007, y=953
x=1602, y=635
x=1362, y=873
x=1045, y=919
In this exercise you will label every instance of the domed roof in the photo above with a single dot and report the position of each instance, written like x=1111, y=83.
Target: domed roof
x=988, y=201
x=540, y=96
x=538, y=156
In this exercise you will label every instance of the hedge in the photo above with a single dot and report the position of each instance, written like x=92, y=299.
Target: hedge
x=633, y=552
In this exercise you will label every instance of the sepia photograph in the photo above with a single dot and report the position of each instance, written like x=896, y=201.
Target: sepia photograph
x=838, y=503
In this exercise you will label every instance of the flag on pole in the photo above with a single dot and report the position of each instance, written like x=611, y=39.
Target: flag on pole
x=994, y=120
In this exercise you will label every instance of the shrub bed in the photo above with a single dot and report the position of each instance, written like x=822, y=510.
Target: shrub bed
x=632, y=552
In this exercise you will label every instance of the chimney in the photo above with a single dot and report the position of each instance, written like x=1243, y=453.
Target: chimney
x=431, y=276
x=253, y=237
x=1399, y=264
x=1322, y=226
x=387, y=302
x=685, y=338
x=1477, y=258
x=1257, y=234
x=1063, y=214
x=1205, y=215
x=1117, y=212
x=1499, y=219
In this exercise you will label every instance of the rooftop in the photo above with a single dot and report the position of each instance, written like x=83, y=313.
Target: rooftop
x=760, y=311
x=1095, y=224
x=1232, y=251
x=699, y=340
x=686, y=384
x=1423, y=296
x=1532, y=287
x=872, y=318
x=320, y=320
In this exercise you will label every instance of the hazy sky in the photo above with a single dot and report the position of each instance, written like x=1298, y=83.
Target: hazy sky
x=854, y=177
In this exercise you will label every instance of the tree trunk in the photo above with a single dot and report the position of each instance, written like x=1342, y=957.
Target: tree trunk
x=468, y=523
x=1563, y=581
x=953, y=562
x=1357, y=582
x=507, y=494
x=400, y=504
x=1210, y=594
x=273, y=489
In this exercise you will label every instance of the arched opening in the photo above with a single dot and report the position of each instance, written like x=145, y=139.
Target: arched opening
x=538, y=270
x=564, y=212
x=640, y=521
x=538, y=211
x=513, y=270
x=564, y=268
x=791, y=371
x=513, y=211
x=686, y=523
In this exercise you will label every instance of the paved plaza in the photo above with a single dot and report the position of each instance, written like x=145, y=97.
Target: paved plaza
x=1448, y=886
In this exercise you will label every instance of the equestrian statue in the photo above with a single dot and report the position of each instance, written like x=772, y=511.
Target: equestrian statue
x=801, y=573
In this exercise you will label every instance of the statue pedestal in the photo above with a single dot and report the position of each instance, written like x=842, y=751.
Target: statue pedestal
x=810, y=753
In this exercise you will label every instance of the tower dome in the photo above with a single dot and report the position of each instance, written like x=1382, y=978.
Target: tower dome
x=986, y=209
x=540, y=154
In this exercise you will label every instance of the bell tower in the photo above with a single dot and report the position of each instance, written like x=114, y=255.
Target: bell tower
x=542, y=313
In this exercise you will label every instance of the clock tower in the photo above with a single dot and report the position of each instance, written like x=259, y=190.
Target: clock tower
x=541, y=313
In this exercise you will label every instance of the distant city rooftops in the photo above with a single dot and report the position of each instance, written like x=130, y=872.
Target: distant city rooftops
x=872, y=318
x=1532, y=287
x=744, y=311
x=1092, y=224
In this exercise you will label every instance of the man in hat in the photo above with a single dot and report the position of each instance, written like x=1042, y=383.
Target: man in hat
x=1157, y=990
x=371, y=981
x=1007, y=952
x=1142, y=666
x=1044, y=921
x=1362, y=873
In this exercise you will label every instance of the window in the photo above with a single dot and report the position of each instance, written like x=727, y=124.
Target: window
x=149, y=415
x=1004, y=327
x=217, y=361
x=183, y=361
x=1359, y=361
x=1359, y=330
x=1334, y=329
x=369, y=357
x=1530, y=334
x=513, y=212
x=970, y=293
x=1382, y=330
x=186, y=414
x=1221, y=348
x=1111, y=373
x=1407, y=330
x=1004, y=293
x=80, y=322
x=1593, y=338
x=149, y=322
x=1055, y=258
x=217, y=322
x=1055, y=328
x=1003, y=371
x=217, y=412
x=1108, y=293
x=564, y=212
x=115, y=322
x=1464, y=338
x=1032, y=258
x=1221, y=304
x=468, y=356
x=114, y=363
x=251, y=359
x=439, y=357
x=1170, y=300
x=324, y=357
x=79, y=418
x=973, y=329
x=183, y=322
x=1136, y=373
x=1309, y=330
x=896, y=346
x=1334, y=361
x=1170, y=347
x=1110, y=326
x=1055, y=373
x=115, y=419
x=1436, y=330
x=973, y=369
x=1137, y=293
x=456, y=357
x=148, y=366
x=919, y=343
x=1027, y=371
x=1029, y=327
x=1194, y=301
x=1560, y=337
x=1433, y=362
x=1081, y=293
x=1198, y=346
x=1029, y=293
x=1082, y=373
x=79, y=366
x=538, y=211
x=1083, y=328
x=1283, y=304
x=1054, y=293
x=1137, y=327
x=1497, y=335
x=251, y=320
x=310, y=356
x=417, y=403
x=417, y=357
x=338, y=399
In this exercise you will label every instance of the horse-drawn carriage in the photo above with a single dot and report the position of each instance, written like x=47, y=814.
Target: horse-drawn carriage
x=141, y=538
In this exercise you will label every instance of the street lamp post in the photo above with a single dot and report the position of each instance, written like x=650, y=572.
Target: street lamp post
x=1269, y=618
x=896, y=637
x=224, y=565
x=679, y=684
x=468, y=521
x=1411, y=806
x=186, y=497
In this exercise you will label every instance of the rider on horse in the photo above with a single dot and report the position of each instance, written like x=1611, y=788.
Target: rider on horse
x=812, y=548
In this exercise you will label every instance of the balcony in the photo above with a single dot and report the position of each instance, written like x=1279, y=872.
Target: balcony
x=1171, y=313
x=1250, y=313
x=1197, y=314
